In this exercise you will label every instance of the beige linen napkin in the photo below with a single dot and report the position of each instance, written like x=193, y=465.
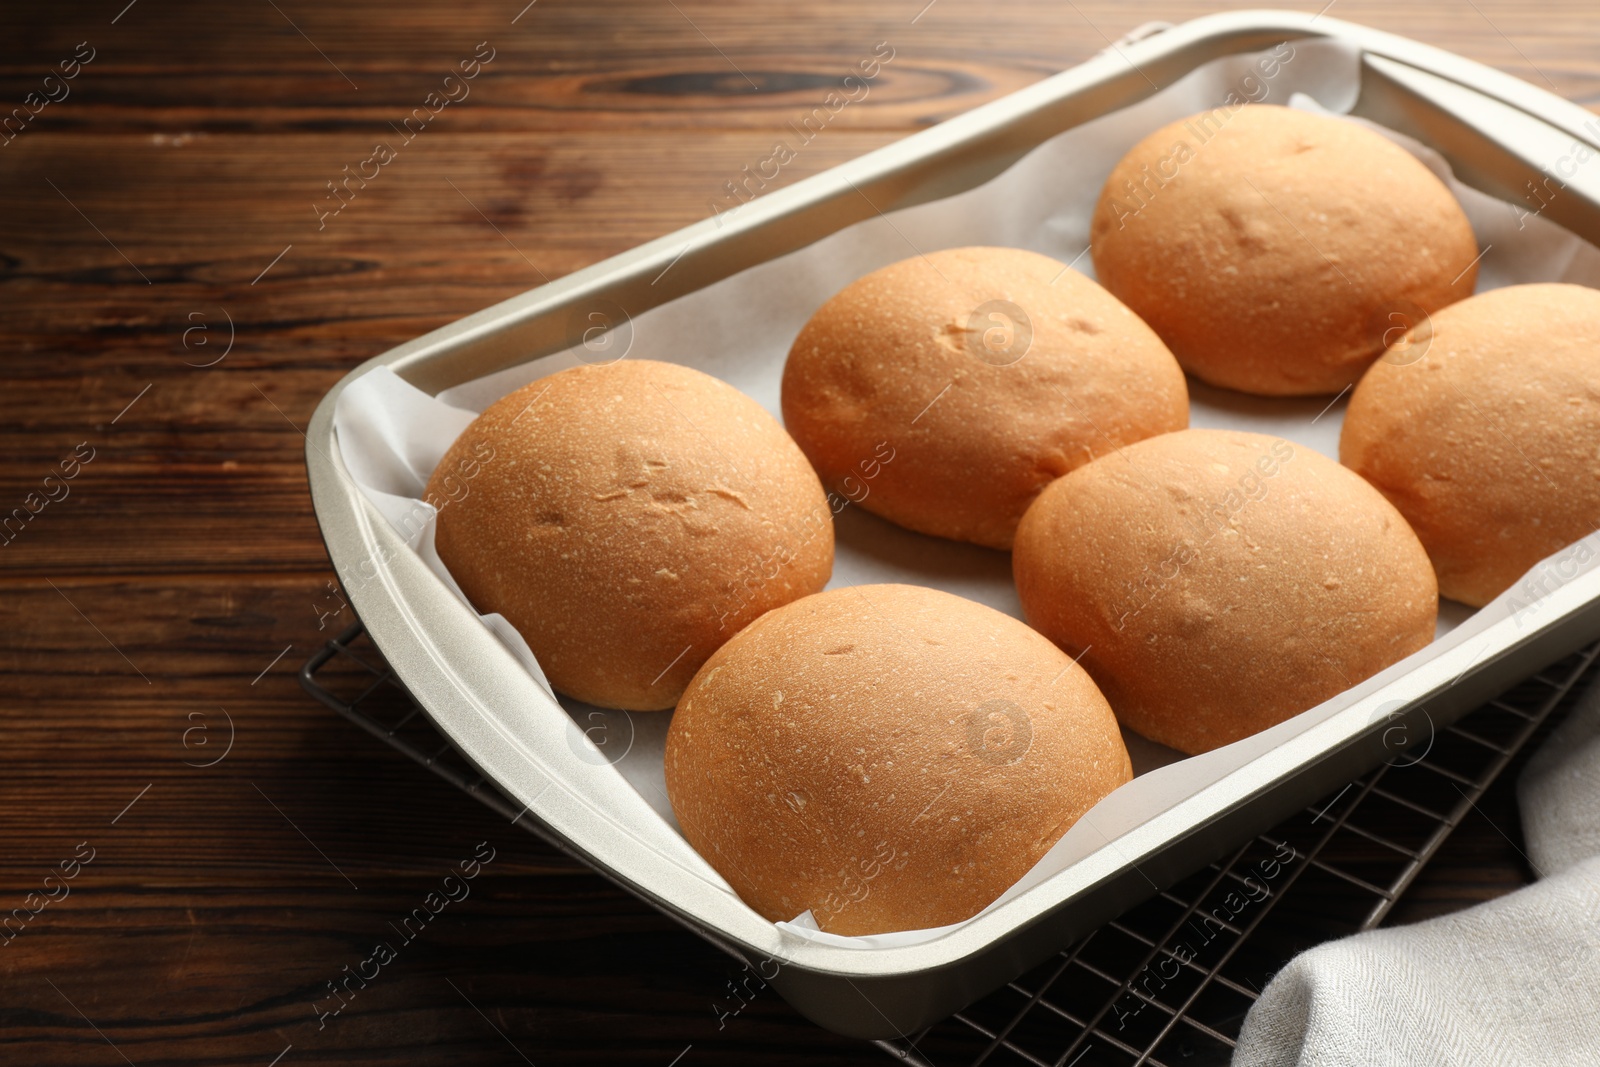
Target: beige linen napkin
x=1515, y=981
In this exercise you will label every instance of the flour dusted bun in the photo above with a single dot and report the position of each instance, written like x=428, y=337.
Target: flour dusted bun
x=627, y=519
x=1216, y=583
x=944, y=391
x=1277, y=251
x=1483, y=428
x=888, y=757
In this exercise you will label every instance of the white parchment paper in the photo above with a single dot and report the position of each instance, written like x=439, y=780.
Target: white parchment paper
x=391, y=435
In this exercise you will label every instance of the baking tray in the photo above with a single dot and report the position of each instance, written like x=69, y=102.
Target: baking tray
x=1498, y=133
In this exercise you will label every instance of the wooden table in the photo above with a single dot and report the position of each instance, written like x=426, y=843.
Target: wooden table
x=178, y=296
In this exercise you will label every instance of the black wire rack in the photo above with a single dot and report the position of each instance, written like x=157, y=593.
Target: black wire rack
x=1167, y=984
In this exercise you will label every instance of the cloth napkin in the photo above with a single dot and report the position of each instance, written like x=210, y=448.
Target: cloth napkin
x=1515, y=981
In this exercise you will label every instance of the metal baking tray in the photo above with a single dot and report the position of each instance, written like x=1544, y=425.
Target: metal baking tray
x=1499, y=134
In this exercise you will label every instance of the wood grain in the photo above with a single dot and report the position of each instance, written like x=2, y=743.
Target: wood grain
x=194, y=149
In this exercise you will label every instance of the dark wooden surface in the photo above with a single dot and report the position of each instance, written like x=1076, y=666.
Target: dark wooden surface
x=181, y=580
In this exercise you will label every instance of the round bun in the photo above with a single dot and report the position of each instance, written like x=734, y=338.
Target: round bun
x=1278, y=251
x=1216, y=583
x=888, y=757
x=1483, y=428
x=951, y=388
x=628, y=519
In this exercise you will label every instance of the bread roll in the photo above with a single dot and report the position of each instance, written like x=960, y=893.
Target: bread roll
x=981, y=374
x=1216, y=583
x=1483, y=428
x=627, y=519
x=888, y=757
x=1277, y=251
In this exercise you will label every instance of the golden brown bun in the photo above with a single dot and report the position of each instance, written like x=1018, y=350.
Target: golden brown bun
x=627, y=519
x=889, y=757
x=1216, y=583
x=975, y=408
x=1484, y=430
x=1274, y=253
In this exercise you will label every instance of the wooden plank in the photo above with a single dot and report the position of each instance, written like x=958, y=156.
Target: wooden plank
x=452, y=224
x=562, y=67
